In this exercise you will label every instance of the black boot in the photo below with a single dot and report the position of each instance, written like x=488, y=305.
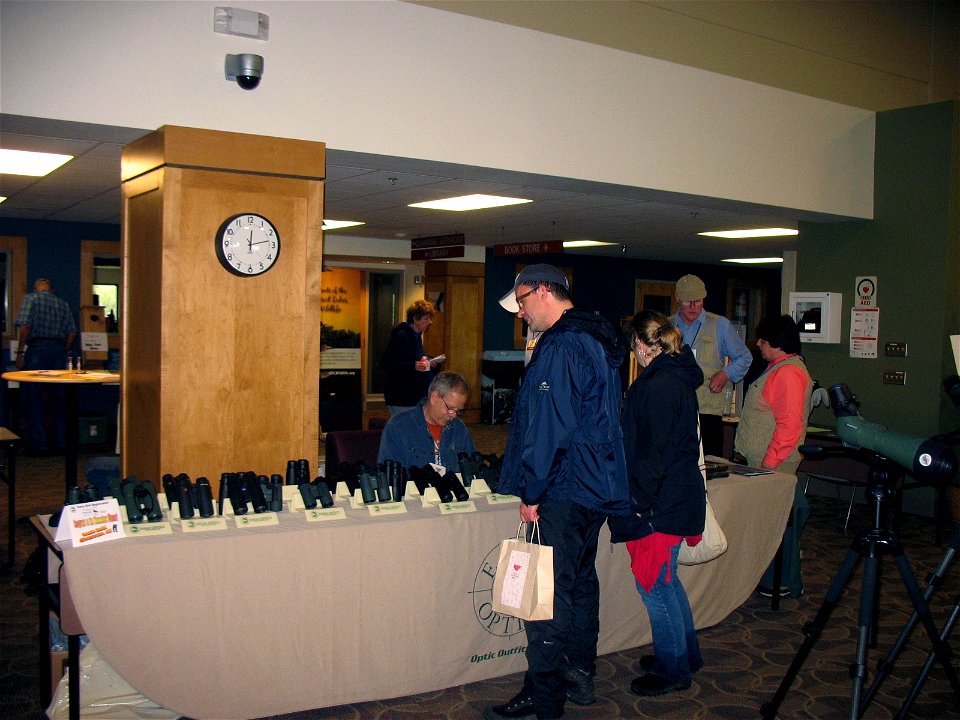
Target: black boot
x=579, y=686
x=519, y=708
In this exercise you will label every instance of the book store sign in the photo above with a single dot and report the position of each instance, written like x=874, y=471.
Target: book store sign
x=437, y=247
x=529, y=248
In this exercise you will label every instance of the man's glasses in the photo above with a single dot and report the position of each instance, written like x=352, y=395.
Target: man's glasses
x=521, y=298
x=450, y=410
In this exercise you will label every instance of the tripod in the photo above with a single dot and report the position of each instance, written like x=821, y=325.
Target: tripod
x=867, y=546
x=886, y=665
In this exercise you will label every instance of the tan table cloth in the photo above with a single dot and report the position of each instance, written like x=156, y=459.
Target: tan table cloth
x=248, y=623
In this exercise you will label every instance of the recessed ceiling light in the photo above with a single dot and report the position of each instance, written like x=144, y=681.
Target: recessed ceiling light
x=24, y=162
x=755, y=233
x=753, y=261
x=585, y=243
x=338, y=224
x=470, y=202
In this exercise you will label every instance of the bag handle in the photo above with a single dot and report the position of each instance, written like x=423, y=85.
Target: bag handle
x=535, y=533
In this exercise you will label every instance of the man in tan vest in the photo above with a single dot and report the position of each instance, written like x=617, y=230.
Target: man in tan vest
x=720, y=353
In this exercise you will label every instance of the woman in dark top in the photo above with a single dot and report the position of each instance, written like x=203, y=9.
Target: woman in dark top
x=666, y=493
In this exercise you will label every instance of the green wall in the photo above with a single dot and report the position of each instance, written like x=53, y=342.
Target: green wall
x=913, y=247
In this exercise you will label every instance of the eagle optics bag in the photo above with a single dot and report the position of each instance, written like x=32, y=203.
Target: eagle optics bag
x=713, y=543
x=523, y=585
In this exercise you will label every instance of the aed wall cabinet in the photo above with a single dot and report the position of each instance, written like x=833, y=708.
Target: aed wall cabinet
x=818, y=315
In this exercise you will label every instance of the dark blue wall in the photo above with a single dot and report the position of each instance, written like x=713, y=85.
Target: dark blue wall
x=53, y=251
x=607, y=285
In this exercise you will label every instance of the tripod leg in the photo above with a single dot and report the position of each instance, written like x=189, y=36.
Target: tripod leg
x=812, y=631
x=885, y=667
x=928, y=665
x=865, y=625
x=940, y=647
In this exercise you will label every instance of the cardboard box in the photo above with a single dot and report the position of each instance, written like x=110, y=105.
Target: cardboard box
x=58, y=668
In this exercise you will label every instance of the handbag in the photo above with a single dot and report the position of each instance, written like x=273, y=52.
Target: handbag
x=713, y=542
x=523, y=584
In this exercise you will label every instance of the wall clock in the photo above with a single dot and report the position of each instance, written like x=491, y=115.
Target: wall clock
x=247, y=244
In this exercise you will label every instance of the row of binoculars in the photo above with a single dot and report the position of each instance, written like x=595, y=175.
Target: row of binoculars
x=243, y=490
x=388, y=482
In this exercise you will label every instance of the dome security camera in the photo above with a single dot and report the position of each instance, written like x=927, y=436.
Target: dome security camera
x=245, y=69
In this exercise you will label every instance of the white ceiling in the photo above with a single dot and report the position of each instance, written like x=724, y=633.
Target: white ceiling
x=377, y=189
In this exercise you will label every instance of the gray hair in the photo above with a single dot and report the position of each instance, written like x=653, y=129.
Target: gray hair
x=447, y=382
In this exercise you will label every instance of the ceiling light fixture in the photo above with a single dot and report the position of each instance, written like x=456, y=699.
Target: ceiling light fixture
x=469, y=202
x=2, y=198
x=585, y=243
x=753, y=261
x=25, y=162
x=755, y=233
x=339, y=224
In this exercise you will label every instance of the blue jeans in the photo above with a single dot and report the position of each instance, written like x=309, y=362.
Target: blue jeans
x=674, y=636
x=43, y=354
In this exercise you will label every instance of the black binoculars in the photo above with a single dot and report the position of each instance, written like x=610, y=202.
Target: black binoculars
x=315, y=491
x=140, y=499
x=75, y=496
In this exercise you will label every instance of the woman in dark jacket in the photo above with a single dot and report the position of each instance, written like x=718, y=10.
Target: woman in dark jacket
x=667, y=496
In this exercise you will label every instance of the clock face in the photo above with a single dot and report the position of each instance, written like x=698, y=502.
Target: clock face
x=247, y=245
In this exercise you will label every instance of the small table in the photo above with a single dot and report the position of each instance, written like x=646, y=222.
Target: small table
x=71, y=380
x=8, y=443
x=56, y=598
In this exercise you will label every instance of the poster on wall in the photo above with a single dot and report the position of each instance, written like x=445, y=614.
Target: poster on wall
x=341, y=322
x=864, y=332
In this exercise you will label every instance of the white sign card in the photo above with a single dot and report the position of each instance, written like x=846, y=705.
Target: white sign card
x=864, y=332
x=91, y=341
x=90, y=523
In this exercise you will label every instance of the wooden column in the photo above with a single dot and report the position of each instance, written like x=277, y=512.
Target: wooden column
x=220, y=373
x=457, y=328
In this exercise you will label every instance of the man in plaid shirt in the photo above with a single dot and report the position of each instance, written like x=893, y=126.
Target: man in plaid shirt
x=46, y=332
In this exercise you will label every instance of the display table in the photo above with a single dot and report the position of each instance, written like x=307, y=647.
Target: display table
x=249, y=623
x=71, y=381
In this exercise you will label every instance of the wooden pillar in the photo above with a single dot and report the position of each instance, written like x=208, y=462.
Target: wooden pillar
x=457, y=328
x=220, y=371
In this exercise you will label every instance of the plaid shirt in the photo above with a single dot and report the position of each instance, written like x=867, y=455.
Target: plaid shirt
x=47, y=316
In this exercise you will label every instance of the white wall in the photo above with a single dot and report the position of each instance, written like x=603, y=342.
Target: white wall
x=397, y=79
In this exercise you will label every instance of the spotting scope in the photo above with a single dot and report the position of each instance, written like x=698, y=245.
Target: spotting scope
x=923, y=458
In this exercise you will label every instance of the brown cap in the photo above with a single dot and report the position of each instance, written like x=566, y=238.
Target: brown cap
x=690, y=287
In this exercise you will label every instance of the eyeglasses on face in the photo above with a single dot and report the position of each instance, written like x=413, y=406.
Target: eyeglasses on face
x=450, y=410
x=521, y=298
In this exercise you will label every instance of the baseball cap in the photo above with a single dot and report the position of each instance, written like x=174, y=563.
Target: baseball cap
x=690, y=287
x=531, y=275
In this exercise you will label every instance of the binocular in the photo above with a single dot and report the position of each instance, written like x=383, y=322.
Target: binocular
x=477, y=465
x=241, y=488
x=140, y=499
x=315, y=491
x=75, y=496
x=191, y=498
x=447, y=485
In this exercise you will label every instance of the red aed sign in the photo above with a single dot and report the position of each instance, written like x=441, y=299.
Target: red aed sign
x=529, y=248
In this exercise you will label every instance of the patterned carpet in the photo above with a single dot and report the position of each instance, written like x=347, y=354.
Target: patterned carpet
x=746, y=656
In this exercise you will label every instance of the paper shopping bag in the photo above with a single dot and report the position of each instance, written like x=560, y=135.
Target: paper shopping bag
x=523, y=585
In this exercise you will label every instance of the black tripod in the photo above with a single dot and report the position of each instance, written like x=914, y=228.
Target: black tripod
x=867, y=546
x=885, y=666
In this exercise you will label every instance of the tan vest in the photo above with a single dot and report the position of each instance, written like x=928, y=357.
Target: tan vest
x=755, y=430
x=706, y=348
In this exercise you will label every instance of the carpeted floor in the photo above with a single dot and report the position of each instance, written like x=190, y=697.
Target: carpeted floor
x=746, y=656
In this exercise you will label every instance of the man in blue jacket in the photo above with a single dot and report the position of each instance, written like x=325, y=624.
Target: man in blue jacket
x=432, y=432
x=565, y=460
